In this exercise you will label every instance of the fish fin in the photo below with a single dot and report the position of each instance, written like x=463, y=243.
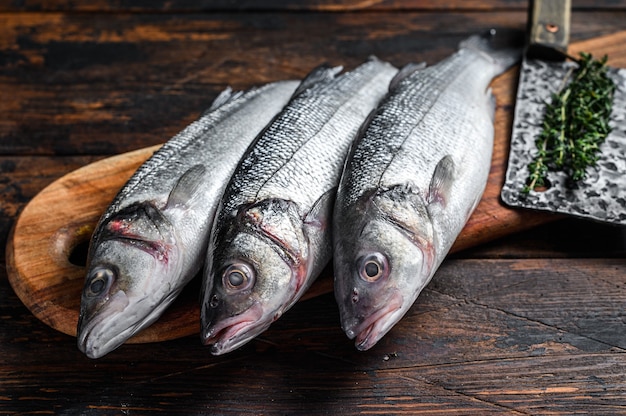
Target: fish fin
x=374, y=58
x=441, y=181
x=404, y=72
x=319, y=74
x=491, y=102
x=317, y=224
x=224, y=97
x=187, y=187
x=503, y=49
x=321, y=212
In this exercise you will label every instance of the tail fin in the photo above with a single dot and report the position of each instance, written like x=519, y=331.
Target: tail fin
x=504, y=48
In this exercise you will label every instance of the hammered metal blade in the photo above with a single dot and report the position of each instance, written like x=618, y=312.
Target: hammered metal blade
x=602, y=195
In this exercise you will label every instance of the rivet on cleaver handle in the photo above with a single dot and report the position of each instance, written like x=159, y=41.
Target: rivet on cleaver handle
x=549, y=28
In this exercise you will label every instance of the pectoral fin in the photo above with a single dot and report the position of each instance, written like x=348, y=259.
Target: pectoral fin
x=188, y=187
x=441, y=181
x=317, y=224
x=321, y=212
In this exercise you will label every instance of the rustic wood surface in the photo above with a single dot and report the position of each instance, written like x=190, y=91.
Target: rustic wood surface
x=532, y=323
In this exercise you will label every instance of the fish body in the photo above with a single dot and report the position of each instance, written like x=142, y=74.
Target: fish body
x=411, y=181
x=271, y=236
x=152, y=239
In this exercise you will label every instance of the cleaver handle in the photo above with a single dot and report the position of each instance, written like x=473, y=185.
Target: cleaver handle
x=549, y=29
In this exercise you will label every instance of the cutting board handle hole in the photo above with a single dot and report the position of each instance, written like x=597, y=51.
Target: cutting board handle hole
x=78, y=254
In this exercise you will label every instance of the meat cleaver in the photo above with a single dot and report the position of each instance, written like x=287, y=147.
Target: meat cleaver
x=601, y=196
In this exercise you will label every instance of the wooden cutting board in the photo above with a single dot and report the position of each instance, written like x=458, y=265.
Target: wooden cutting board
x=47, y=246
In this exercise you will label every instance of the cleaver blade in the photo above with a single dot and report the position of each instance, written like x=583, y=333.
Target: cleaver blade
x=601, y=196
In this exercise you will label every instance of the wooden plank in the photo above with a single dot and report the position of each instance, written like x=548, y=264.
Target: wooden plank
x=495, y=336
x=99, y=84
x=559, y=239
x=287, y=5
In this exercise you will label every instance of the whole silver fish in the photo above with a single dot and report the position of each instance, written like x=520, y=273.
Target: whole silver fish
x=152, y=239
x=271, y=236
x=411, y=181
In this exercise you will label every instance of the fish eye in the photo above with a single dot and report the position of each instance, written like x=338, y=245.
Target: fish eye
x=372, y=267
x=99, y=281
x=238, y=276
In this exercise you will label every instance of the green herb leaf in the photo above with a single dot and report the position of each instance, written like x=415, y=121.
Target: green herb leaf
x=575, y=124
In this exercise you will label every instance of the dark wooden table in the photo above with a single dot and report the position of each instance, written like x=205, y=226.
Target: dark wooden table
x=534, y=323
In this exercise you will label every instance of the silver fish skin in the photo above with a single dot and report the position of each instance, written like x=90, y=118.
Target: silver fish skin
x=151, y=240
x=411, y=181
x=271, y=237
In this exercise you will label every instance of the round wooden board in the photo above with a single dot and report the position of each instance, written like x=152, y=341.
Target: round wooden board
x=47, y=249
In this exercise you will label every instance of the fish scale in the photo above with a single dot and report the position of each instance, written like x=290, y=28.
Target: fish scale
x=152, y=239
x=397, y=166
x=271, y=237
x=410, y=183
x=282, y=157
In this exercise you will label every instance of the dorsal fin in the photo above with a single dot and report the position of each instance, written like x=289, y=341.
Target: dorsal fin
x=224, y=97
x=322, y=73
x=404, y=72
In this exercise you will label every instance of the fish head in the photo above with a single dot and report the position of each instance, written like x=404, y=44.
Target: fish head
x=382, y=260
x=259, y=267
x=250, y=287
x=127, y=285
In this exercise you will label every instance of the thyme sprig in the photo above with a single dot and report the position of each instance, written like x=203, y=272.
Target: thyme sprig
x=575, y=124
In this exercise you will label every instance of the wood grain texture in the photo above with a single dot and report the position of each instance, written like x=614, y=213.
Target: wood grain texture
x=469, y=346
x=531, y=323
x=49, y=230
x=286, y=5
x=104, y=84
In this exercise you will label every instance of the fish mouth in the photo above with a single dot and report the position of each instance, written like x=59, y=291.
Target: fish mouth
x=111, y=327
x=92, y=334
x=231, y=333
x=369, y=331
